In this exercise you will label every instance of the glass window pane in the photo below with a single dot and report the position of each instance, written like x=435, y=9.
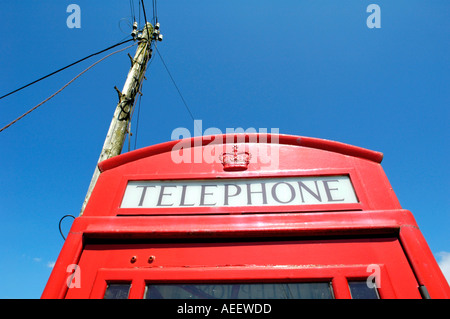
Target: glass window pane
x=360, y=290
x=117, y=291
x=317, y=290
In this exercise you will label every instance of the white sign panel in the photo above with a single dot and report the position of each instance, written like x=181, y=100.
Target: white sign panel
x=239, y=192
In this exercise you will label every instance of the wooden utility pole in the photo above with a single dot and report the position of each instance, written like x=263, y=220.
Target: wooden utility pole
x=122, y=116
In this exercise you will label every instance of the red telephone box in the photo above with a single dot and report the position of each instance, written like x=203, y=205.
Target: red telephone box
x=245, y=216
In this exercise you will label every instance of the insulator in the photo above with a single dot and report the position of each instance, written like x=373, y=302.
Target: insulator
x=134, y=32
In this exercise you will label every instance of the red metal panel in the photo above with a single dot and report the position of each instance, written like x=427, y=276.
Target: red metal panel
x=246, y=225
x=306, y=260
x=57, y=284
x=422, y=261
x=253, y=226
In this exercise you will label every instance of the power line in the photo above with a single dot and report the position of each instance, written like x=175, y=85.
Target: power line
x=155, y=11
x=132, y=10
x=155, y=18
x=145, y=16
x=139, y=12
x=176, y=86
x=143, y=9
x=66, y=85
x=64, y=68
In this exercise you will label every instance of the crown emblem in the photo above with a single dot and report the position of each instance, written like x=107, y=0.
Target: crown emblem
x=236, y=161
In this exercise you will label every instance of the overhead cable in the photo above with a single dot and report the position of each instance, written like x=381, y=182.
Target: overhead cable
x=54, y=94
x=66, y=67
x=155, y=11
x=174, y=83
x=132, y=10
x=143, y=9
x=145, y=16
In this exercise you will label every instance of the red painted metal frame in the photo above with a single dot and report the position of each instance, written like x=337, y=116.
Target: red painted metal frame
x=263, y=260
x=326, y=145
x=338, y=276
x=301, y=156
x=359, y=190
x=256, y=226
x=378, y=210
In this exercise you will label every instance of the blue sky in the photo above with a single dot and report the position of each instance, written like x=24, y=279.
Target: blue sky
x=308, y=68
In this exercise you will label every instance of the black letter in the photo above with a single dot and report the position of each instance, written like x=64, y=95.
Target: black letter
x=161, y=194
x=183, y=196
x=202, y=196
x=144, y=191
x=328, y=190
x=227, y=194
x=317, y=196
x=274, y=192
x=263, y=192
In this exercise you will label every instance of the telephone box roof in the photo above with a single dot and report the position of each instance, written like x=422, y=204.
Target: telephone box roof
x=282, y=139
